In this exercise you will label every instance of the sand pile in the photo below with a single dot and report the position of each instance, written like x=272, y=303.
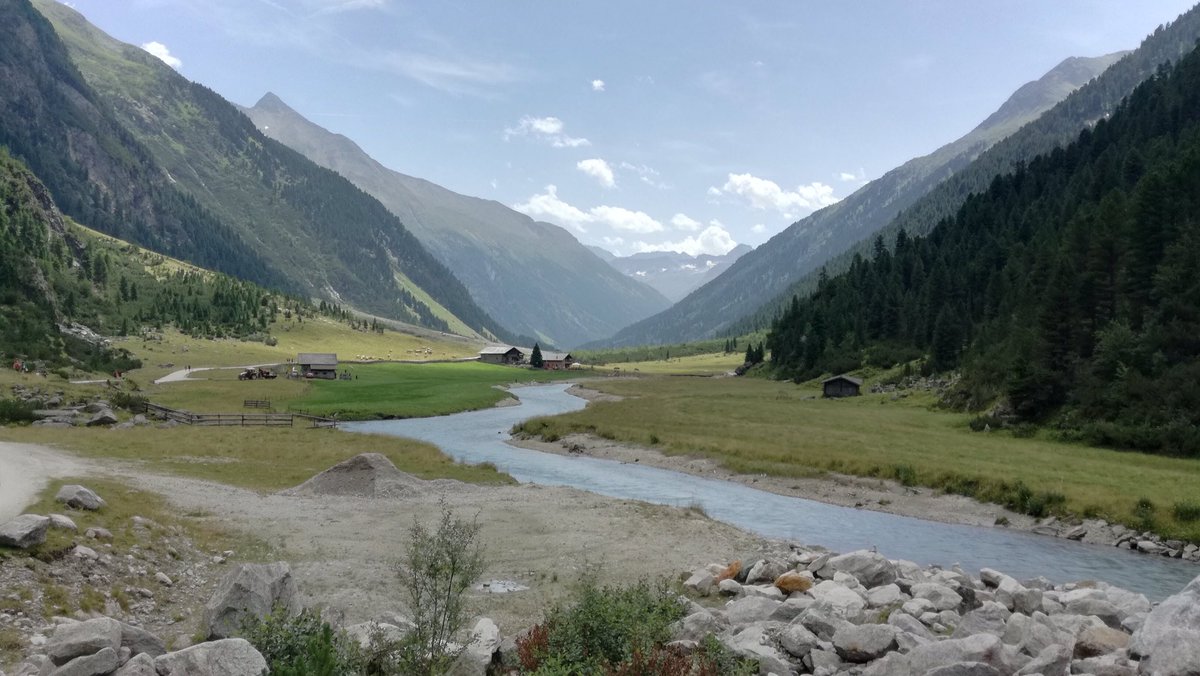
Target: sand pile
x=369, y=475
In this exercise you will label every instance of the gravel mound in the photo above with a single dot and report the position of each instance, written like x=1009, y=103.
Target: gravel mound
x=369, y=475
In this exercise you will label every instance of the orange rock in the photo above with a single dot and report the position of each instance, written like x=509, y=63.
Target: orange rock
x=793, y=582
x=731, y=571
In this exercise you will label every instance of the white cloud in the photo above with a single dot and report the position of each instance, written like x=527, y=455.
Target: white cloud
x=548, y=206
x=599, y=170
x=455, y=75
x=160, y=51
x=859, y=176
x=549, y=129
x=597, y=85
x=338, y=6
x=766, y=194
x=684, y=222
x=647, y=175
x=714, y=241
x=625, y=219
x=758, y=228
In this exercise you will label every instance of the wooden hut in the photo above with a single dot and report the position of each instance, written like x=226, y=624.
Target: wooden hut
x=501, y=354
x=841, y=386
x=319, y=364
x=557, y=361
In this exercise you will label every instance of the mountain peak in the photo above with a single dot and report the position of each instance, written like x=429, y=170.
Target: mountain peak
x=271, y=102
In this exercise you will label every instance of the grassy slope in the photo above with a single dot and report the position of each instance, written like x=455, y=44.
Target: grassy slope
x=753, y=425
x=700, y=364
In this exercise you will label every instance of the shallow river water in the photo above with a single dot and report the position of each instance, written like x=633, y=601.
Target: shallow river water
x=479, y=436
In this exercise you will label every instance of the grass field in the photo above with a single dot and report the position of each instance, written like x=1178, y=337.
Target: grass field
x=754, y=425
x=701, y=364
x=255, y=458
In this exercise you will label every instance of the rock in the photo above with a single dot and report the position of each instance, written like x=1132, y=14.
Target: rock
x=98, y=533
x=1094, y=641
x=140, y=665
x=83, y=638
x=990, y=618
x=368, y=475
x=755, y=643
x=765, y=571
x=916, y=607
x=1149, y=547
x=791, y=582
x=60, y=522
x=909, y=625
x=25, y=531
x=1110, y=665
x=98, y=664
x=983, y=648
x=1032, y=634
x=365, y=633
x=1075, y=533
x=1169, y=639
x=485, y=641
x=941, y=596
x=79, y=551
x=79, y=497
x=767, y=591
x=104, y=417
x=225, y=657
x=163, y=579
x=750, y=609
x=964, y=669
x=729, y=587
x=886, y=595
x=865, y=643
x=141, y=642
x=797, y=640
x=846, y=602
x=822, y=620
x=870, y=568
x=1098, y=607
x=249, y=590
x=1053, y=660
x=701, y=582
x=696, y=626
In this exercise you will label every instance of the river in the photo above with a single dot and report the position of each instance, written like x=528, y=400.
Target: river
x=480, y=436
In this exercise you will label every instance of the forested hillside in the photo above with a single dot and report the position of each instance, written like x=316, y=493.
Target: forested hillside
x=1058, y=126
x=1071, y=287
x=321, y=235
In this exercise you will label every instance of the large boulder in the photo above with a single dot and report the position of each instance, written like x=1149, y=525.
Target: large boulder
x=983, y=648
x=751, y=609
x=1054, y=660
x=1169, y=640
x=139, y=641
x=797, y=640
x=989, y=618
x=941, y=596
x=101, y=663
x=102, y=417
x=252, y=590
x=964, y=669
x=227, y=657
x=75, y=639
x=25, y=531
x=79, y=497
x=755, y=642
x=139, y=665
x=870, y=568
x=864, y=643
x=846, y=602
x=696, y=627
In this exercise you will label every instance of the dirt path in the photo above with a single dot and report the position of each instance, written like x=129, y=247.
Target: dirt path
x=24, y=471
x=185, y=374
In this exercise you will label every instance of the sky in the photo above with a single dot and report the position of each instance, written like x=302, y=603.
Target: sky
x=687, y=125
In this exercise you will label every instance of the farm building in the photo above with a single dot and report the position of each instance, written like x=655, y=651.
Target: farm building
x=557, y=361
x=841, y=386
x=501, y=354
x=319, y=364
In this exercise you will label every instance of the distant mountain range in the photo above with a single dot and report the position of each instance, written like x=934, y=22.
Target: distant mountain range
x=764, y=273
x=672, y=273
x=534, y=277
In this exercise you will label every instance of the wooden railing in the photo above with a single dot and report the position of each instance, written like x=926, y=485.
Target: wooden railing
x=237, y=419
x=256, y=403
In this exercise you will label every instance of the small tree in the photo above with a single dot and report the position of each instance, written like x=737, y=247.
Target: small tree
x=535, y=358
x=439, y=566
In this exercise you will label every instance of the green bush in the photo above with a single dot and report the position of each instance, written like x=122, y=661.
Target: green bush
x=15, y=411
x=303, y=644
x=1186, y=511
x=1143, y=514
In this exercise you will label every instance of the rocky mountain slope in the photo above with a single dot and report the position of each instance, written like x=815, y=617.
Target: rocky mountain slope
x=534, y=277
x=807, y=244
x=674, y=274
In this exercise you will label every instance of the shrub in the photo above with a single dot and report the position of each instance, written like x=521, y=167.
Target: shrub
x=302, y=644
x=15, y=411
x=1186, y=511
x=1143, y=514
x=905, y=474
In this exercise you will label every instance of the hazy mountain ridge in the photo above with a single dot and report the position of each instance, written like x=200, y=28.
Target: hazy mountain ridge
x=771, y=268
x=673, y=273
x=323, y=235
x=534, y=277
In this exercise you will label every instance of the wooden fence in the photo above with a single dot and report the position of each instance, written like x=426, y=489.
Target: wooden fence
x=256, y=403
x=238, y=419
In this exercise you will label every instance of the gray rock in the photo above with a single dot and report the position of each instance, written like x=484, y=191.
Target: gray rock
x=765, y=571
x=964, y=669
x=729, y=587
x=750, y=609
x=139, y=665
x=941, y=596
x=1054, y=660
x=990, y=618
x=755, y=643
x=822, y=620
x=226, y=657
x=846, y=602
x=61, y=522
x=485, y=641
x=1112, y=665
x=105, y=417
x=983, y=648
x=885, y=595
x=364, y=633
x=701, y=582
x=249, y=591
x=864, y=643
x=696, y=626
x=83, y=638
x=25, y=531
x=98, y=533
x=909, y=625
x=141, y=642
x=797, y=640
x=1101, y=608
x=870, y=568
x=1169, y=639
x=79, y=497
x=97, y=664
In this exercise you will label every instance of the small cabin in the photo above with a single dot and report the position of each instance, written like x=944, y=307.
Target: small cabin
x=319, y=364
x=557, y=361
x=501, y=354
x=841, y=386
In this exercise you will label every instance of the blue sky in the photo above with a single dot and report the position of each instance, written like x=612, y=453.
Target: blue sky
x=685, y=125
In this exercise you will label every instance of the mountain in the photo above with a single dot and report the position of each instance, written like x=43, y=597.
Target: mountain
x=323, y=236
x=1070, y=288
x=534, y=277
x=770, y=269
x=674, y=274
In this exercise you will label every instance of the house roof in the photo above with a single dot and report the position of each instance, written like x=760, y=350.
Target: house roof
x=556, y=356
x=856, y=381
x=317, y=358
x=499, y=349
